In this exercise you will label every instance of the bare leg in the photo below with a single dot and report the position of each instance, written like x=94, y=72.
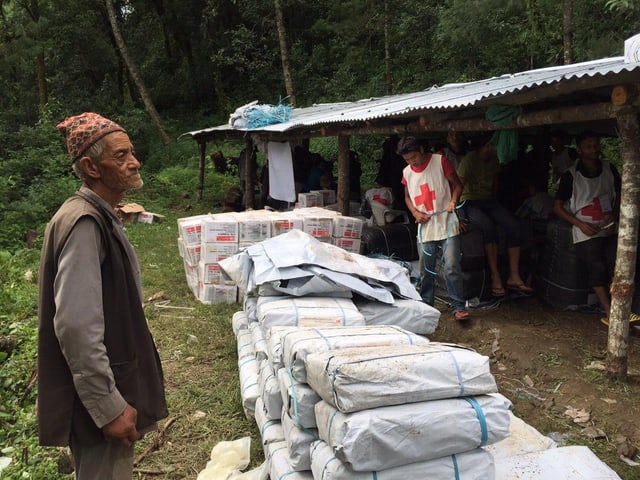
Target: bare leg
x=491, y=250
x=514, y=266
x=603, y=297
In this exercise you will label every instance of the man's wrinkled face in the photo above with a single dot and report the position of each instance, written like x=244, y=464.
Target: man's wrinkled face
x=119, y=168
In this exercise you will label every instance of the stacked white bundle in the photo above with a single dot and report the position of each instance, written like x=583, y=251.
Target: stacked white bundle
x=387, y=411
x=307, y=312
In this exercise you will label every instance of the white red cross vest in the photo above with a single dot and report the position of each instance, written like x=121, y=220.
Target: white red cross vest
x=430, y=193
x=592, y=199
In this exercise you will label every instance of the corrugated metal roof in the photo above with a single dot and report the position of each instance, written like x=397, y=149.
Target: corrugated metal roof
x=449, y=96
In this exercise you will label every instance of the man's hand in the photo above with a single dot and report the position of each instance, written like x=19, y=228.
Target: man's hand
x=588, y=229
x=421, y=217
x=123, y=428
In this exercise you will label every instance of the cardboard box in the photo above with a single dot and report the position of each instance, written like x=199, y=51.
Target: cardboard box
x=318, y=227
x=328, y=196
x=209, y=294
x=351, y=245
x=190, y=229
x=285, y=224
x=310, y=199
x=128, y=212
x=150, y=217
x=192, y=254
x=220, y=228
x=213, y=252
x=211, y=273
x=254, y=229
x=348, y=227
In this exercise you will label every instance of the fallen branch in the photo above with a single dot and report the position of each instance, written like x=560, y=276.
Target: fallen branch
x=149, y=472
x=157, y=442
x=32, y=383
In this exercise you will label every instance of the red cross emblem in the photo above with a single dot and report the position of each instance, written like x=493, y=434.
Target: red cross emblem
x=426, y=197
x=594, y=210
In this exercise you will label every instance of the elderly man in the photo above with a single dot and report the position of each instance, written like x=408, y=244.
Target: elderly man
x=100, y=382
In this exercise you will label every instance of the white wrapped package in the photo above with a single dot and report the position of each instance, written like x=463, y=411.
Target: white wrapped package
x=270, y=430
x=472, y=465
x=299, y=441
x=274, y=345
x=297, y=344
x=360, y=378
x=301, y=286
x=239, y=321
x=564, y=463
x=298, y=399
x=259, y=342
x=308, y=312
x=245, y=345
x=249, y=391
x=278, y=457
x=413, y=315
x=386, y=437
x=270, y=390
x=523, y=438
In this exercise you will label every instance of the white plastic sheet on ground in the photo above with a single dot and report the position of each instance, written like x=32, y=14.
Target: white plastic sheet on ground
x=563, y=463
x=473, y=465
x=361, y=378
x=228, y=459
x=523, y=438
x=386, y=437
x=413, y=315
x=297, y=344
x=298, y=399
x=308, y=312
x=299, y=441
x=281, y=469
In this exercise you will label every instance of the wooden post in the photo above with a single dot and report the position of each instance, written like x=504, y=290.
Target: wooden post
x=343, y=174
x=248, y=177
x=202, y=144
x=622, y=286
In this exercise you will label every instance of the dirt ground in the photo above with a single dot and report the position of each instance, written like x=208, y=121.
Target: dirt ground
x=550, y=364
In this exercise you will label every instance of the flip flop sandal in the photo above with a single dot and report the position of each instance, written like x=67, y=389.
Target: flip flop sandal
x=498, y=292
x=461, y=315
x=520, y=287
x=633, y=318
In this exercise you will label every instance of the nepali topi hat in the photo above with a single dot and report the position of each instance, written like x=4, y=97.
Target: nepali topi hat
x=82, y=131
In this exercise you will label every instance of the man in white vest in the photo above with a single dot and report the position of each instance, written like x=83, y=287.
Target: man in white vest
x=432, y=189
x=588, y=197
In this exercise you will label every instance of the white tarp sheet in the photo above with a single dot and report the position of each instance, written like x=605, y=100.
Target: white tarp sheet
x=360, y=378
x=308, y=312
x=297, y=344
x=298, y=255
x=563, y=463
x=298, y=399
x=523, y=438
x=473, y=465
x=386, y=437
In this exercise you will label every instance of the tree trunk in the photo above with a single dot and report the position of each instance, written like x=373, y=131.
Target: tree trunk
x=43, y=95
x=343, y=174
x=284, y=53
x=387, y=48
x=133, y=71
x=622, y=286
x=567, y=31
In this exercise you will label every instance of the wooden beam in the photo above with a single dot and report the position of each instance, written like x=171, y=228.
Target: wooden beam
x=248, y=170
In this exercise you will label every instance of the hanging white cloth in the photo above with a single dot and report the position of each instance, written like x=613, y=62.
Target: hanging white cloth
x=281, y=185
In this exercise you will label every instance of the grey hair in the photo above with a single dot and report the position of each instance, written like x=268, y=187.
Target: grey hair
x=94, y=152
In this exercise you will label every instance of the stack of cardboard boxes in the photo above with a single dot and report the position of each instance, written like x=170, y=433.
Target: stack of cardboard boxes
x=206, y=239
